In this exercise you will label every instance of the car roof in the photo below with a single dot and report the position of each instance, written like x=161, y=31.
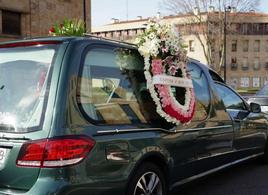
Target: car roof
x=98, y=40
x=70, y=38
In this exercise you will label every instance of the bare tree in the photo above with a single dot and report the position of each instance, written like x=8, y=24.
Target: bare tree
x=206, y=19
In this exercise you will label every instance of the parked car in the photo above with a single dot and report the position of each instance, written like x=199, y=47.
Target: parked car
x=261, y=98
x=73, y=120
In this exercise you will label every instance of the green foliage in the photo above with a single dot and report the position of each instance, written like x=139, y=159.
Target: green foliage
x=68, y=28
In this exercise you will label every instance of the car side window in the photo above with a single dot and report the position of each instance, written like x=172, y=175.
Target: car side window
x=230, y=99
x=105, y=93
x=201, y=90
x=112, y=89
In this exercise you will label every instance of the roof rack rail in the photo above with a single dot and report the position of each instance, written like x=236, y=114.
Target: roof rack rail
x=107, y=39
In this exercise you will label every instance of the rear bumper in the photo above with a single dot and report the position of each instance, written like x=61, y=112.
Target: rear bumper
x=60, y=187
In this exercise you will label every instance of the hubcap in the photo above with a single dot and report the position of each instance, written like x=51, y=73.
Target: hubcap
x=148, y=184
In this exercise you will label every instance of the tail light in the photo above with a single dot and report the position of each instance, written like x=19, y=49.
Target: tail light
x=55, y=152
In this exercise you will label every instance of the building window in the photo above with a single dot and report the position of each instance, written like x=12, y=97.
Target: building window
x=266, y=46
x=116, y=34
x=257, y=44
x=244, y=82
x=244, y=28
x=256, y=28
x=191, y=45
x=234, y=45
x=11, y=23
x=233, y=63
x=132, y=33
x=109, y=35
x=266, y=28
x=256, y=82
x=256, y=64
x=125, y=34
x=266, y=65
x=245, y=45
x=245, y=64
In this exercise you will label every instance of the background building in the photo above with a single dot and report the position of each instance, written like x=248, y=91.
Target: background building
x=25, y=18
x=247, y=44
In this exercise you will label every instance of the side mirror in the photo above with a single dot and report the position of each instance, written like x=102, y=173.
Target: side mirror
x=255, y=108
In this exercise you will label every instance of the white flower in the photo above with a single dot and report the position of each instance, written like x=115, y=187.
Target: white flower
x=152, y=36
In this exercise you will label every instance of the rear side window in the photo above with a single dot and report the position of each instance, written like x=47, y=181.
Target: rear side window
x=24, y=85
x=113, y=88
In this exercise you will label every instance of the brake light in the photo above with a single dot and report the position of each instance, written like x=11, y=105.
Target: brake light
x=55, y=152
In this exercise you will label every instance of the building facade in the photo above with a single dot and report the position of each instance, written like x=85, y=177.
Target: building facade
x=28, y=18
x=246, y=48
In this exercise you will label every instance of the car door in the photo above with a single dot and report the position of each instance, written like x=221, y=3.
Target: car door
x=249, y=127
x=215, y=132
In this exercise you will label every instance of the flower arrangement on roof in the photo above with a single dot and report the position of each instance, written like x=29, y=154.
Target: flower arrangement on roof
x=68, y=28
x=165, y=70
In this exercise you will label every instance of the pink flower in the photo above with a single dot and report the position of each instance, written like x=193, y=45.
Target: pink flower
x=163, y=91
x=172, y=70
x=165, y=101
x=169, y=60
x=157, y=67
x=165, y=50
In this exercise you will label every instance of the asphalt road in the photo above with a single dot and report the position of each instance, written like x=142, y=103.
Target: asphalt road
x=250, y=178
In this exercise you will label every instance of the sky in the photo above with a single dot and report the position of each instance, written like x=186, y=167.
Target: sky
x=104, y=10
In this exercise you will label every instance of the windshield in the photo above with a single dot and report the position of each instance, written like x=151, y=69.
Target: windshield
x=263, y=91
x=24, y=76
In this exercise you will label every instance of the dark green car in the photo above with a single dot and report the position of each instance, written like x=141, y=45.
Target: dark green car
x=76, y=118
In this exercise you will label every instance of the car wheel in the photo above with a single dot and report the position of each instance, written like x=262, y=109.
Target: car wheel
x=148, y=179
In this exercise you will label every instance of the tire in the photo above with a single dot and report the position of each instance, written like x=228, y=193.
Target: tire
x=148, y=179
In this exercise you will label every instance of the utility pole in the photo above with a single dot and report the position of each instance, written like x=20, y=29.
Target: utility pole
x=127, y=9
x=225, y=42
x=87, y=23
x=225, y=45
x=85, y=15
x=90, y=14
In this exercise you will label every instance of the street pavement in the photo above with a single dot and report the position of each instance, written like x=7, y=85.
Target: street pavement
x=250, y=178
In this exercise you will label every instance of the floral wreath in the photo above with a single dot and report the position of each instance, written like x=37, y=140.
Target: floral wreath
x=165, y=66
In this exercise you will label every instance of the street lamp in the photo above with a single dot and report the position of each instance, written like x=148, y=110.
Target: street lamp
x=225, y=42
